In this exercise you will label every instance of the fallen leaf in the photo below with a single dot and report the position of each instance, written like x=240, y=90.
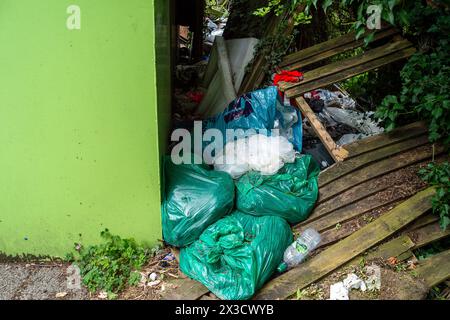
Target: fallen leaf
x=392, y=261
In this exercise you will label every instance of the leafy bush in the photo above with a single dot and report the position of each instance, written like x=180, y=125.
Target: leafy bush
x=425, y=78
x=111, y=265
x=438, y=175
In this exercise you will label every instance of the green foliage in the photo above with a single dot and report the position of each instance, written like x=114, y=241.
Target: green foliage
x=425, y=93
x=217, y=8
x=273, y=49
x=279, y=7
x=394, y=12
x=425, y=81
x=438, y=176
x=111, y=265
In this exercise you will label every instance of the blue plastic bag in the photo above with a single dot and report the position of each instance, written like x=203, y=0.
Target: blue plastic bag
x=259, y=110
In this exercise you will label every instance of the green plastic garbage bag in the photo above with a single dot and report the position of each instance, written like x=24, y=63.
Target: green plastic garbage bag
x=290, y=194
x=235, y=256
x=194, y=197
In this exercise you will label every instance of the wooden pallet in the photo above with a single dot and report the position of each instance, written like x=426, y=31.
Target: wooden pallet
x=395, y=49
x=373, y=196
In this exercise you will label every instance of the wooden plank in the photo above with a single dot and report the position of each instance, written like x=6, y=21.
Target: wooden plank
x=337, y=153
x=364, y=190
x=393, y=248
x=435, y=269
x=298, y=61
x=317, y=49
x=349, y=73
x=428, y=234
x=343, y=168
x=353, y=195
x=347, y=249
x=342, y=65
x=422, y=222
x=321, y=47
x=409, y=131
x=185, y=289
x=352, y=211
x=379, y=169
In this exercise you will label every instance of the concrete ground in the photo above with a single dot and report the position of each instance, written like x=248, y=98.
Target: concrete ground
x=20, y=281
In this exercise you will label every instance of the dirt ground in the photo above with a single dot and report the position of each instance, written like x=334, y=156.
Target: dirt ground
x=396, y=284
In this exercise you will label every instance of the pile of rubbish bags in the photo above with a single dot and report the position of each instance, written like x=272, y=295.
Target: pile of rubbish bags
x=232, y=219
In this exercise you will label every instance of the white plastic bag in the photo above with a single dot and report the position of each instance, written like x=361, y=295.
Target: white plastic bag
x=257, y=152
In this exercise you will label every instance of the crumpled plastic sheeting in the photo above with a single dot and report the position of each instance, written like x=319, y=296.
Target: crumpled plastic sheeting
x=194, y=197
x=331, y=98
x=260, y=153
x=291, y=194
x=340, y=290
x=235, y=256
x=357, y=120
x=259, y=111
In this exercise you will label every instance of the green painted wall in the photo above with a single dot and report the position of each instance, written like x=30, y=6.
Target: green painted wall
x=78, y=124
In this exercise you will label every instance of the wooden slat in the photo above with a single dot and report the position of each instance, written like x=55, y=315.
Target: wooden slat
x=352, y=211
x=353, y=195
x=409, y=131
x=351, y=165
x=304, y=61
x=319, y=48
x=347, y=249
x=185, y=289
x=349, y=73
x=393, y=248
x=435, y=269
x=337, y=153
x=422, y=222
x=342, y=65
x=428, y=234
x=379, y=169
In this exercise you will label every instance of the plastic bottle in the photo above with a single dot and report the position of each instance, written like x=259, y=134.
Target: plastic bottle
x=300, y=249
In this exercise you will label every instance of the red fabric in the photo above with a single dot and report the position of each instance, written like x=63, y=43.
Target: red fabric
x=196, y=97
x=287, y=76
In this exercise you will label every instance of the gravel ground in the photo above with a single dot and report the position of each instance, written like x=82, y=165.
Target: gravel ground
x=19, y=281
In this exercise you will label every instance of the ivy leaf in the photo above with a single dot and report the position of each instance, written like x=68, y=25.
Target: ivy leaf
x=392, y=4
x=326, y=4
x=403, y=16
x=445, y=222
x=360, y=32
x=369, y=38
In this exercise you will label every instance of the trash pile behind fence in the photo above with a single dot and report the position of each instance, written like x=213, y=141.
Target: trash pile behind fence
x=232, y=219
